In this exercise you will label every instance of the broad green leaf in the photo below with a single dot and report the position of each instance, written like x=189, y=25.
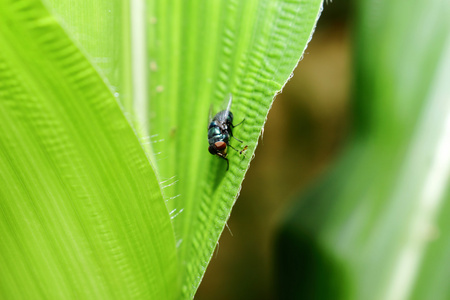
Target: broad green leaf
x=182, y=57
x=82, y=215
x=375, y=221
x=200, y=52
x=103, y=30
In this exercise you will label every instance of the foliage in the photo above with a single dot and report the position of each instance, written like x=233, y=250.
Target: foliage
x=91, y=92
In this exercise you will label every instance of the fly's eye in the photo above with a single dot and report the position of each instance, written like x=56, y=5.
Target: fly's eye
x=220, y=145
x=230, y=117
x=212, y=149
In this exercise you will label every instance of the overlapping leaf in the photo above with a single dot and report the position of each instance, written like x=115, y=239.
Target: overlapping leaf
x=81, y=211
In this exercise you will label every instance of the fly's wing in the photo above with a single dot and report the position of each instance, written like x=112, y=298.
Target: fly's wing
x=210, y=116
x=230, y=99
x=225, y=109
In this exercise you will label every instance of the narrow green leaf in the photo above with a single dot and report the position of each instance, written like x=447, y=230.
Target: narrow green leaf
x=199, y=52
x=81, y=213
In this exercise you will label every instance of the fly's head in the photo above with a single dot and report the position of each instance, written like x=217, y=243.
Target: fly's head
x=218, y=148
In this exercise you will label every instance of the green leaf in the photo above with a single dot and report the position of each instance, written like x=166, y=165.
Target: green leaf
x=82, y=215
x=200, y=52
x=435, y=266
x=375, y=216
x=166, y=62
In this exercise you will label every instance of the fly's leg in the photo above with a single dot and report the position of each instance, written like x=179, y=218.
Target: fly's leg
x=230, y=131
x=231, y=125
x=233, y=148
x=236, y=139
x=222, y=156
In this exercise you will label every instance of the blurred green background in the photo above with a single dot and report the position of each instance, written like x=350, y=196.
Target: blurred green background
x=305, y=129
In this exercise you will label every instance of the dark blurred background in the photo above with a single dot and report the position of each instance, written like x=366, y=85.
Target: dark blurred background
x=307, y=126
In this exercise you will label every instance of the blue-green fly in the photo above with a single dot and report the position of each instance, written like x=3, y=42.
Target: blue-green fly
x=220, y=130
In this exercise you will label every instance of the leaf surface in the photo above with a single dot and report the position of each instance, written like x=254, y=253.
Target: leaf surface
x=183, y=57
x=82, y=215
x=200, y=52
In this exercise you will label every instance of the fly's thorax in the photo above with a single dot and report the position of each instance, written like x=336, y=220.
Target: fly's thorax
x=218, y=132
x=214, y=131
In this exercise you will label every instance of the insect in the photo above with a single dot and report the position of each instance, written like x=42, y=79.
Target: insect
x=243, y=150
x=220, y=130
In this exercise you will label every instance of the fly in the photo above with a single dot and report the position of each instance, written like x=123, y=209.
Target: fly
x=220, y=130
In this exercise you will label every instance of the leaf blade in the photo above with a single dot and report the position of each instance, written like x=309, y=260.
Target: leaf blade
x=81, y=203
x=202, y=51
